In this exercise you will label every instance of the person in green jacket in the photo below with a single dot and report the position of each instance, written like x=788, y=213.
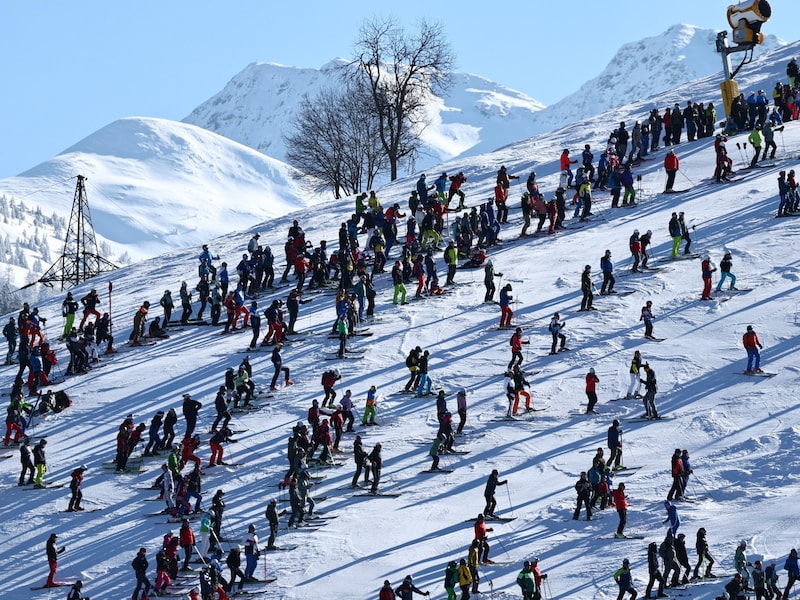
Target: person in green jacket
x=755, y=139
x=451, y=260
x=526, y=581
x=450, y=576
x=341, y=329
x=436, y=449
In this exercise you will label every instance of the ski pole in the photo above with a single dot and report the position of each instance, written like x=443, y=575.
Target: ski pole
x=738, y=147
x=503, y=547
x=686, y=177
x=510, y=504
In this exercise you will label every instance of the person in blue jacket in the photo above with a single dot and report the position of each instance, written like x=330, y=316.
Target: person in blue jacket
x=672, y=517
x=607, y=267
x=793, y=569
x=625, y=581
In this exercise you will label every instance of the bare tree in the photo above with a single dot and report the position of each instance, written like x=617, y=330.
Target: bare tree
x=402, y=69
x=335, y=139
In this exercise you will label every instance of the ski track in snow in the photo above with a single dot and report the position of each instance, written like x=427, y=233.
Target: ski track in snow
x=742, y=432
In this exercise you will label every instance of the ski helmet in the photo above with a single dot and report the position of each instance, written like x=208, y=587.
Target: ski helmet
x=587, y=268
x=591, y=370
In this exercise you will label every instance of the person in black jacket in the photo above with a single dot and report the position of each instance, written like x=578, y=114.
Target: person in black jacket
x=153, y=438
x=584, y=489
x=140, y=565
x=614, y=445
x=52, y=559
x=655, y=573
x=190, y=409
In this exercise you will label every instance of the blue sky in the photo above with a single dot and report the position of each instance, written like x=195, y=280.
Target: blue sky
x=68, y=69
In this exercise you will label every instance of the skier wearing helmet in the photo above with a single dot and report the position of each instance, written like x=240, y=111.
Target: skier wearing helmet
x=591, y=382
x=461, y=404
x=586, y=289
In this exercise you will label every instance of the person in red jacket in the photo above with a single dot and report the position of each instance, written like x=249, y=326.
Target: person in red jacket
x=752, y=345
x=75, y=488
x=516, y=349
x=564, y=165
x=621, y=502
x=187, y=543
x=671, y=166
x=456, y=181
x=707, y=268
x=480, y=536
x=189, y=446
x=591, y=381
x=386, y=593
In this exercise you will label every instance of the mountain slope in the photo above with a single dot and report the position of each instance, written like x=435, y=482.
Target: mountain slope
x=741, y=432
x=645, y=69
x=155, y=185
x=258, y=105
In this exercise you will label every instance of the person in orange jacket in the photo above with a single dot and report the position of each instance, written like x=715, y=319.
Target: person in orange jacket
x=564, y=165
x=480, y=536
x=752, y=345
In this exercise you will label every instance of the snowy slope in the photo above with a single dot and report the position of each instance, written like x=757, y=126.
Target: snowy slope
x=154, y=185
x=742, y=433
x=258, y=105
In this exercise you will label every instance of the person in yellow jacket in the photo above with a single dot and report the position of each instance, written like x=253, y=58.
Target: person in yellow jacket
x=755, y=140
x=473, y=560
x=464, y=579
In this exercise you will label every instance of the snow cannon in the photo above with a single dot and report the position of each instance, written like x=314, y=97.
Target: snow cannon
x=746, y=19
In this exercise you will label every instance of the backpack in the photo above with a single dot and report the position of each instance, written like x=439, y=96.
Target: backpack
x=410, y=360
x=62, y=401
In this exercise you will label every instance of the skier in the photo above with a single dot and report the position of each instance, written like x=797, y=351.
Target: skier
x=68, y=309
x=190, y=408
x=584, y=489
x=488, y=280
x=406, y=590
x=671, y=166
x=456, y=181
x=707, y=268
x=139, y=320
x=650, y=389
x=784, y=207
x=425, y=381
x=791, y=565
x=607, y=268
x=387, y=593
x=635, y=247
x=488, y=492
x=140, y=565
x=397, y=281
x=437, y=447
x=755, y=140
x=272, y=518
x=516, y=348
x=10, y=332
x=481, y=531
x=451, y=260
x=329, y=379
x=741, y=564
x=672, y=517
x=361, y=460
x=621, y=503
x=644, y=242
x=343, y=331
x=674, y=228
x=277, y=362
x=40, y=462
x=752, y=345
x=648, y=318
x=685, y=233
x=614, y=440
x=27, y=463
x=701, y=545
x=376, y=460
x=624, y=580
x=725, y=268
x=76, y=592
x=591, y=381
x=75, y=488
x=682, y=557
x=735, y=588
x=370, y=406
x=527, y=582
x=52, y=559
x=505, y=306
x=461, y=406
x=520, y=383
x=586, y=290
x=655, y=573
x=90, y=302
x=676, y=468
x=216, y=441
x=251, y=553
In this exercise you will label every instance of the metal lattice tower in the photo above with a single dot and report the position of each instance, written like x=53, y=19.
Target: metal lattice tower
x=79, y=260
